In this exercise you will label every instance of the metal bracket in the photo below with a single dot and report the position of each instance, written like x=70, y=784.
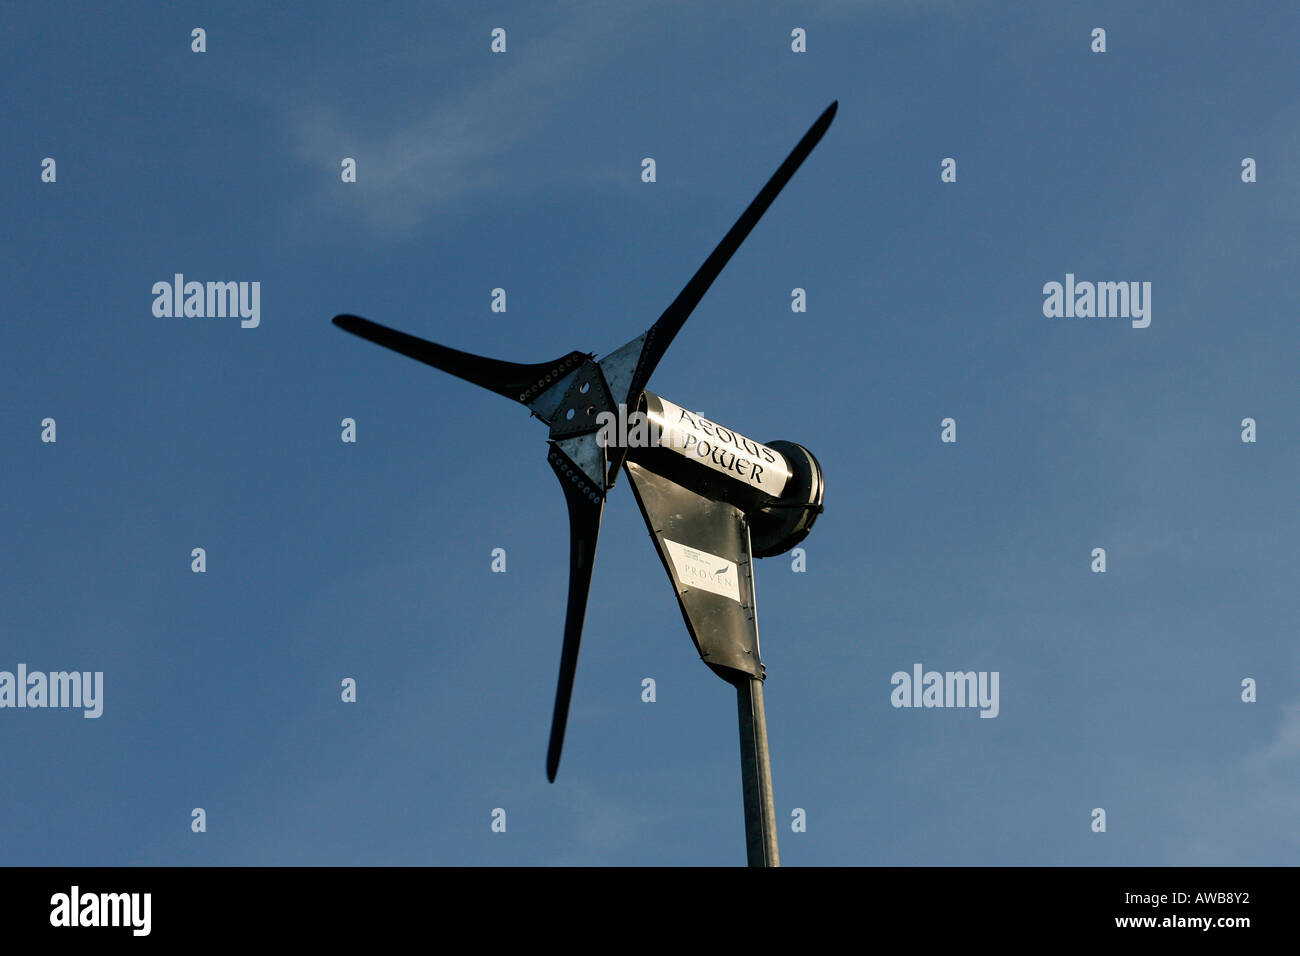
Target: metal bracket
x=586, y=398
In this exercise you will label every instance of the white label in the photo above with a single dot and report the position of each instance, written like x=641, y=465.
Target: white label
x=708, y=572
x=697, y=439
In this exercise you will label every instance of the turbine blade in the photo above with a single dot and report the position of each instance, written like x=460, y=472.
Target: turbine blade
x=660, y=335
x=522, y=383
x=586, y=504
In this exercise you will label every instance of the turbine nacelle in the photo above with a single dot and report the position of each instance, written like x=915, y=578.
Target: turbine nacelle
x=777, y=486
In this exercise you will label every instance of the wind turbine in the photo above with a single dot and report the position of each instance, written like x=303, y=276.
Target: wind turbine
x=712, y=498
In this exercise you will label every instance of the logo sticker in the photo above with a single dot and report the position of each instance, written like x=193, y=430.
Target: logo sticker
x=708, y=572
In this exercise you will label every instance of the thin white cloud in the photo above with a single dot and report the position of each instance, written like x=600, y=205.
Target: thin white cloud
x=447, y=152
x=1249, y=814
x=1282, y=755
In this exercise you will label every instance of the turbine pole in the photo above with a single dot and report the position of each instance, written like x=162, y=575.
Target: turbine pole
x=756, y=775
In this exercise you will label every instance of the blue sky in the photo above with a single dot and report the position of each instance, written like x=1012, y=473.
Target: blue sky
x=372, y=560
